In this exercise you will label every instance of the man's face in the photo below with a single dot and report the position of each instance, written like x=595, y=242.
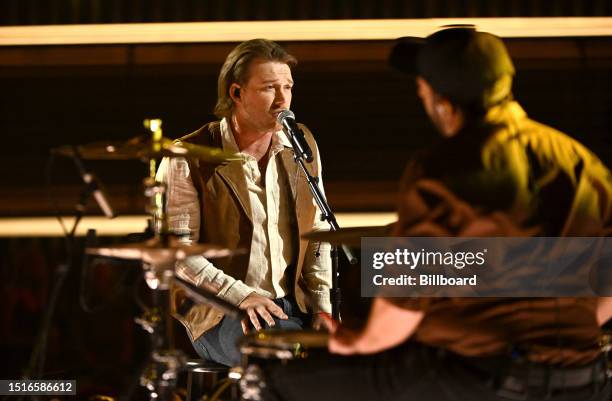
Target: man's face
x=266, y=93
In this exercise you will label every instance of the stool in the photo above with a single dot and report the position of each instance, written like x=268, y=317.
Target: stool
x=197, y=371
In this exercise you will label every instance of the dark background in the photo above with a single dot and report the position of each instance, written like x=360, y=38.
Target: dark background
x=366, y=118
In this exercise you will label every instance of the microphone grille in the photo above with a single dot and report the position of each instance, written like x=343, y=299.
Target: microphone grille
x=285, y=114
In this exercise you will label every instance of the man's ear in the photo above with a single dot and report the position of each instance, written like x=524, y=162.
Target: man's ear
x=234, y=92
x=449, y=115
x=444, y=108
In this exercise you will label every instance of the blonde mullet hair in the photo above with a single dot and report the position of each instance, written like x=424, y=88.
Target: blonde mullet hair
x=236, y=66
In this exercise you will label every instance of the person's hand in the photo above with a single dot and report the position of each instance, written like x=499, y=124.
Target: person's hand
x=257, y=306
x=323, y=321
x=344, y=341
x=341, y=340
x=388, y=326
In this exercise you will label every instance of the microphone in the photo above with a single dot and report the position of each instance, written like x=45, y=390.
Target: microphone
x=286, y=118
x=88, y=178
x=98, y=194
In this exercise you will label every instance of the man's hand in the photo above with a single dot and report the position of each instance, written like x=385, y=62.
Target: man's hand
x=388, y=325
x=342, y=340
x=347, y=342
x=257, y=306
x=323, y=321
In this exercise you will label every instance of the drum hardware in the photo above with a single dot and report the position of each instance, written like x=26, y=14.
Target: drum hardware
x=36, y=363
x=159, y=254
x=264, y=347
x=142, y=148
x=282, y=345
x=252, y=383
x=160, y=376
x=148, y=321
x=196, y=369
x=605, y=344
x=235, y=373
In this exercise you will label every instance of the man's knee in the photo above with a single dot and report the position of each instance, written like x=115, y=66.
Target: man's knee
x=288, y=324
x=200, y=347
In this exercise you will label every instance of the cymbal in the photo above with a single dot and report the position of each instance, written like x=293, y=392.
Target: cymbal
x=153, y=251
x=286, y=338
x=142, y=148
x=350, y=236
x=282, y=344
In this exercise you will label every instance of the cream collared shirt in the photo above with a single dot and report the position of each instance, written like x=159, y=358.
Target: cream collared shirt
x=271, y=247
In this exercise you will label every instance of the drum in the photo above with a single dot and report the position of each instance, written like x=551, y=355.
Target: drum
x=265, y=347
x=203, y=377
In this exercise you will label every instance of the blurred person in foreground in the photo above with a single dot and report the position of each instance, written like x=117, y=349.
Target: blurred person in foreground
x=494, y=173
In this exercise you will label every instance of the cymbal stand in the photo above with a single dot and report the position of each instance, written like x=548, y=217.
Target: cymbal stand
x=165, y=362
x=36, y=364
x=160, y=375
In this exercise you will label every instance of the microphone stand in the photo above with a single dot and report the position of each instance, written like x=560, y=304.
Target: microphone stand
x=326, y=215
x=36, y=364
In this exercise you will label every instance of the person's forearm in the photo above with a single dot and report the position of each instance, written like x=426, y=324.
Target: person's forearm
x=201, y=271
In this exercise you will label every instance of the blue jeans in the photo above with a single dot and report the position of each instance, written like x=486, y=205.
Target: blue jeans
x=219, y=343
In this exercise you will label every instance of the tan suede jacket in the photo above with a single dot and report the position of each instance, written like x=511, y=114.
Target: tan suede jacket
x=225, y=220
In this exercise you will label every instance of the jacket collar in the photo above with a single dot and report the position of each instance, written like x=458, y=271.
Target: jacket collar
x=233, y=172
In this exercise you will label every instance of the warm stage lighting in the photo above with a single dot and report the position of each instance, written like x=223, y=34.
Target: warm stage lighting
x=122, y=225
x=311, y=30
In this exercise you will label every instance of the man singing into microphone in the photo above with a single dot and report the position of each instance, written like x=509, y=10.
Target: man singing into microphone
x=261, y=203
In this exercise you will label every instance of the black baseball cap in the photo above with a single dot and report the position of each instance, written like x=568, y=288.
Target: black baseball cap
x=467, y=66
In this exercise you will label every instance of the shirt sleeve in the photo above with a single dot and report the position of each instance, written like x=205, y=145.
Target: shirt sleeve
x=183, y=211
